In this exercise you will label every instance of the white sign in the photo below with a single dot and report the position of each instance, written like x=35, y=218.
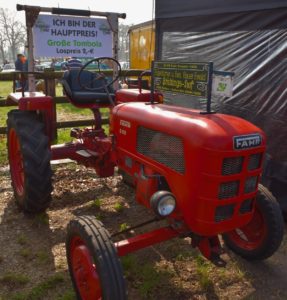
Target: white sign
x=57, y=36
x=222, y=84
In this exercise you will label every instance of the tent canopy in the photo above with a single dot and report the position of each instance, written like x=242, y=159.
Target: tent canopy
x=185, y=8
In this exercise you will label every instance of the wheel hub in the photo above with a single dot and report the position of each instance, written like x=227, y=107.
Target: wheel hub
x=85, y=273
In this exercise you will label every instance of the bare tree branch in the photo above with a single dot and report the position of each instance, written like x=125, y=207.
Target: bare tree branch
x=13, y=31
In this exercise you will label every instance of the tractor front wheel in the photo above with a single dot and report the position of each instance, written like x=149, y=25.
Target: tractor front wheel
x=93, y=262
x=29, y=160
x=262, y=236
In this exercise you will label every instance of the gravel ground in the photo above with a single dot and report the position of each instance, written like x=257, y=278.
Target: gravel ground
x=33, y=260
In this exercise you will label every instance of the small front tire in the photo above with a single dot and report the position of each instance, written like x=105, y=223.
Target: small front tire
x=93, y=262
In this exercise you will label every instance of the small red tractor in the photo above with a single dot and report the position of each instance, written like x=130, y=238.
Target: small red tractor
x=198, y=171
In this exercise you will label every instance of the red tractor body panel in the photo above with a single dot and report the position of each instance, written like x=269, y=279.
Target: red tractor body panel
x=211, y=162
x=136, y=95
x=38, y=102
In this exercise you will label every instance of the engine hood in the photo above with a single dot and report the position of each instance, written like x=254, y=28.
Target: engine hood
x=216, y=131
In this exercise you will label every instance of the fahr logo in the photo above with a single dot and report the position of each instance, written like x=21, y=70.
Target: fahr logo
x=246, y=141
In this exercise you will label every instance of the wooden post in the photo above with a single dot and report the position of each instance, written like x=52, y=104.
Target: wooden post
x=50, y=90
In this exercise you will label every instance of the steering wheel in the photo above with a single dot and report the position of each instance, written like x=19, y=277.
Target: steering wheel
x=100, y=75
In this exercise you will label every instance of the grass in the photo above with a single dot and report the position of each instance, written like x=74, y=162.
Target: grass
x=203, y=269
x=68, y=295
x=22, y=239
x=148, y=278
x=118, y=207
x=26, y=253
x=14, y=279
x=6, y=88
x=69, y=108
x=41, y=219
x=42, y=257
x=96, y=203
x=123, y=226
x=40, y=290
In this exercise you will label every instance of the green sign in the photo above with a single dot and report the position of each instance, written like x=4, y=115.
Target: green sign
x=186, y=78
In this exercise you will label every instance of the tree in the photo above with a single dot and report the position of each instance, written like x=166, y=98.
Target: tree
x=13, y=31
x=3, y=42
x=123, y=42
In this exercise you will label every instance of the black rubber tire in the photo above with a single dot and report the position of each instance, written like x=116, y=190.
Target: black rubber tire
x=103, y=253
x=35, y=151
x=272, y=215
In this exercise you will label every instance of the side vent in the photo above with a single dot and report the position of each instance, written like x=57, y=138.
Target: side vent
x=228, y=189
x=224, y=212
x=161, y=147
x=232, y=165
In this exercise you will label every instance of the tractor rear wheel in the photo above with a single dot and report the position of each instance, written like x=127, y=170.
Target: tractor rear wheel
x=93, y=262
x=262, y=236
x=29, y=160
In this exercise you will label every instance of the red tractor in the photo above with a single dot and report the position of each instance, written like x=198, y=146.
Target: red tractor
x=199, y=172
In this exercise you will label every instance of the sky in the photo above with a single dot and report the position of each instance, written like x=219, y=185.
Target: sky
x=137, y=11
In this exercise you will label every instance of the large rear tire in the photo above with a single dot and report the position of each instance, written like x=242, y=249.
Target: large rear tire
x=29, y=160
x=262, y=236
x=93, y=262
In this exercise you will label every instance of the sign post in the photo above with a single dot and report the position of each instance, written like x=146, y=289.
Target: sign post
x=193, y=79
x=87, y=30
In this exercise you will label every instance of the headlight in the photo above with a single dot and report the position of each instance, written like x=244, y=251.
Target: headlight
x=163, y=203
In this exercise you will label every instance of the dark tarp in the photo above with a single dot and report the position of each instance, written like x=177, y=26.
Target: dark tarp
x=187, y=8
x=250, y=42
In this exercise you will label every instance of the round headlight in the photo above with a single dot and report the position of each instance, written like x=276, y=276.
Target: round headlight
x=163, y=203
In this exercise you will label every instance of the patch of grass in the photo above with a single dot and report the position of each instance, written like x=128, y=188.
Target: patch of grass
x=123, y=226
x=203, y=277
x=42, y=257
x=185, y=255
x=68, y=295
x=40, y=290
x=129, y=263
x=14, y=279
x=3, y=150
x=3, y=114
x=99, y=216
x=64, y=135
x=26, y=253
x=18, y=296
x=97, y=203
x=118, y=207
x=203, y=268
x=147, y=278
x=152, y=279
x=6, y=88
x=22, y=239
x=41, y=219
x=71, y=109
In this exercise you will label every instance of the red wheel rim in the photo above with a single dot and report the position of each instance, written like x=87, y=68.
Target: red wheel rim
x=16, y=162
x=84, y=270
x=252, y=235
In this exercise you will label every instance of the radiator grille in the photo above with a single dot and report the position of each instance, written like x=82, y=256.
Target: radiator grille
x=232, y=165
x=254, y=161
x=163, y=148
x=228, y=189
x=223, y=213
x=250, y=184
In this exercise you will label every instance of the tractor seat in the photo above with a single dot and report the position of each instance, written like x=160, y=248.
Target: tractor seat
x=79, y=95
